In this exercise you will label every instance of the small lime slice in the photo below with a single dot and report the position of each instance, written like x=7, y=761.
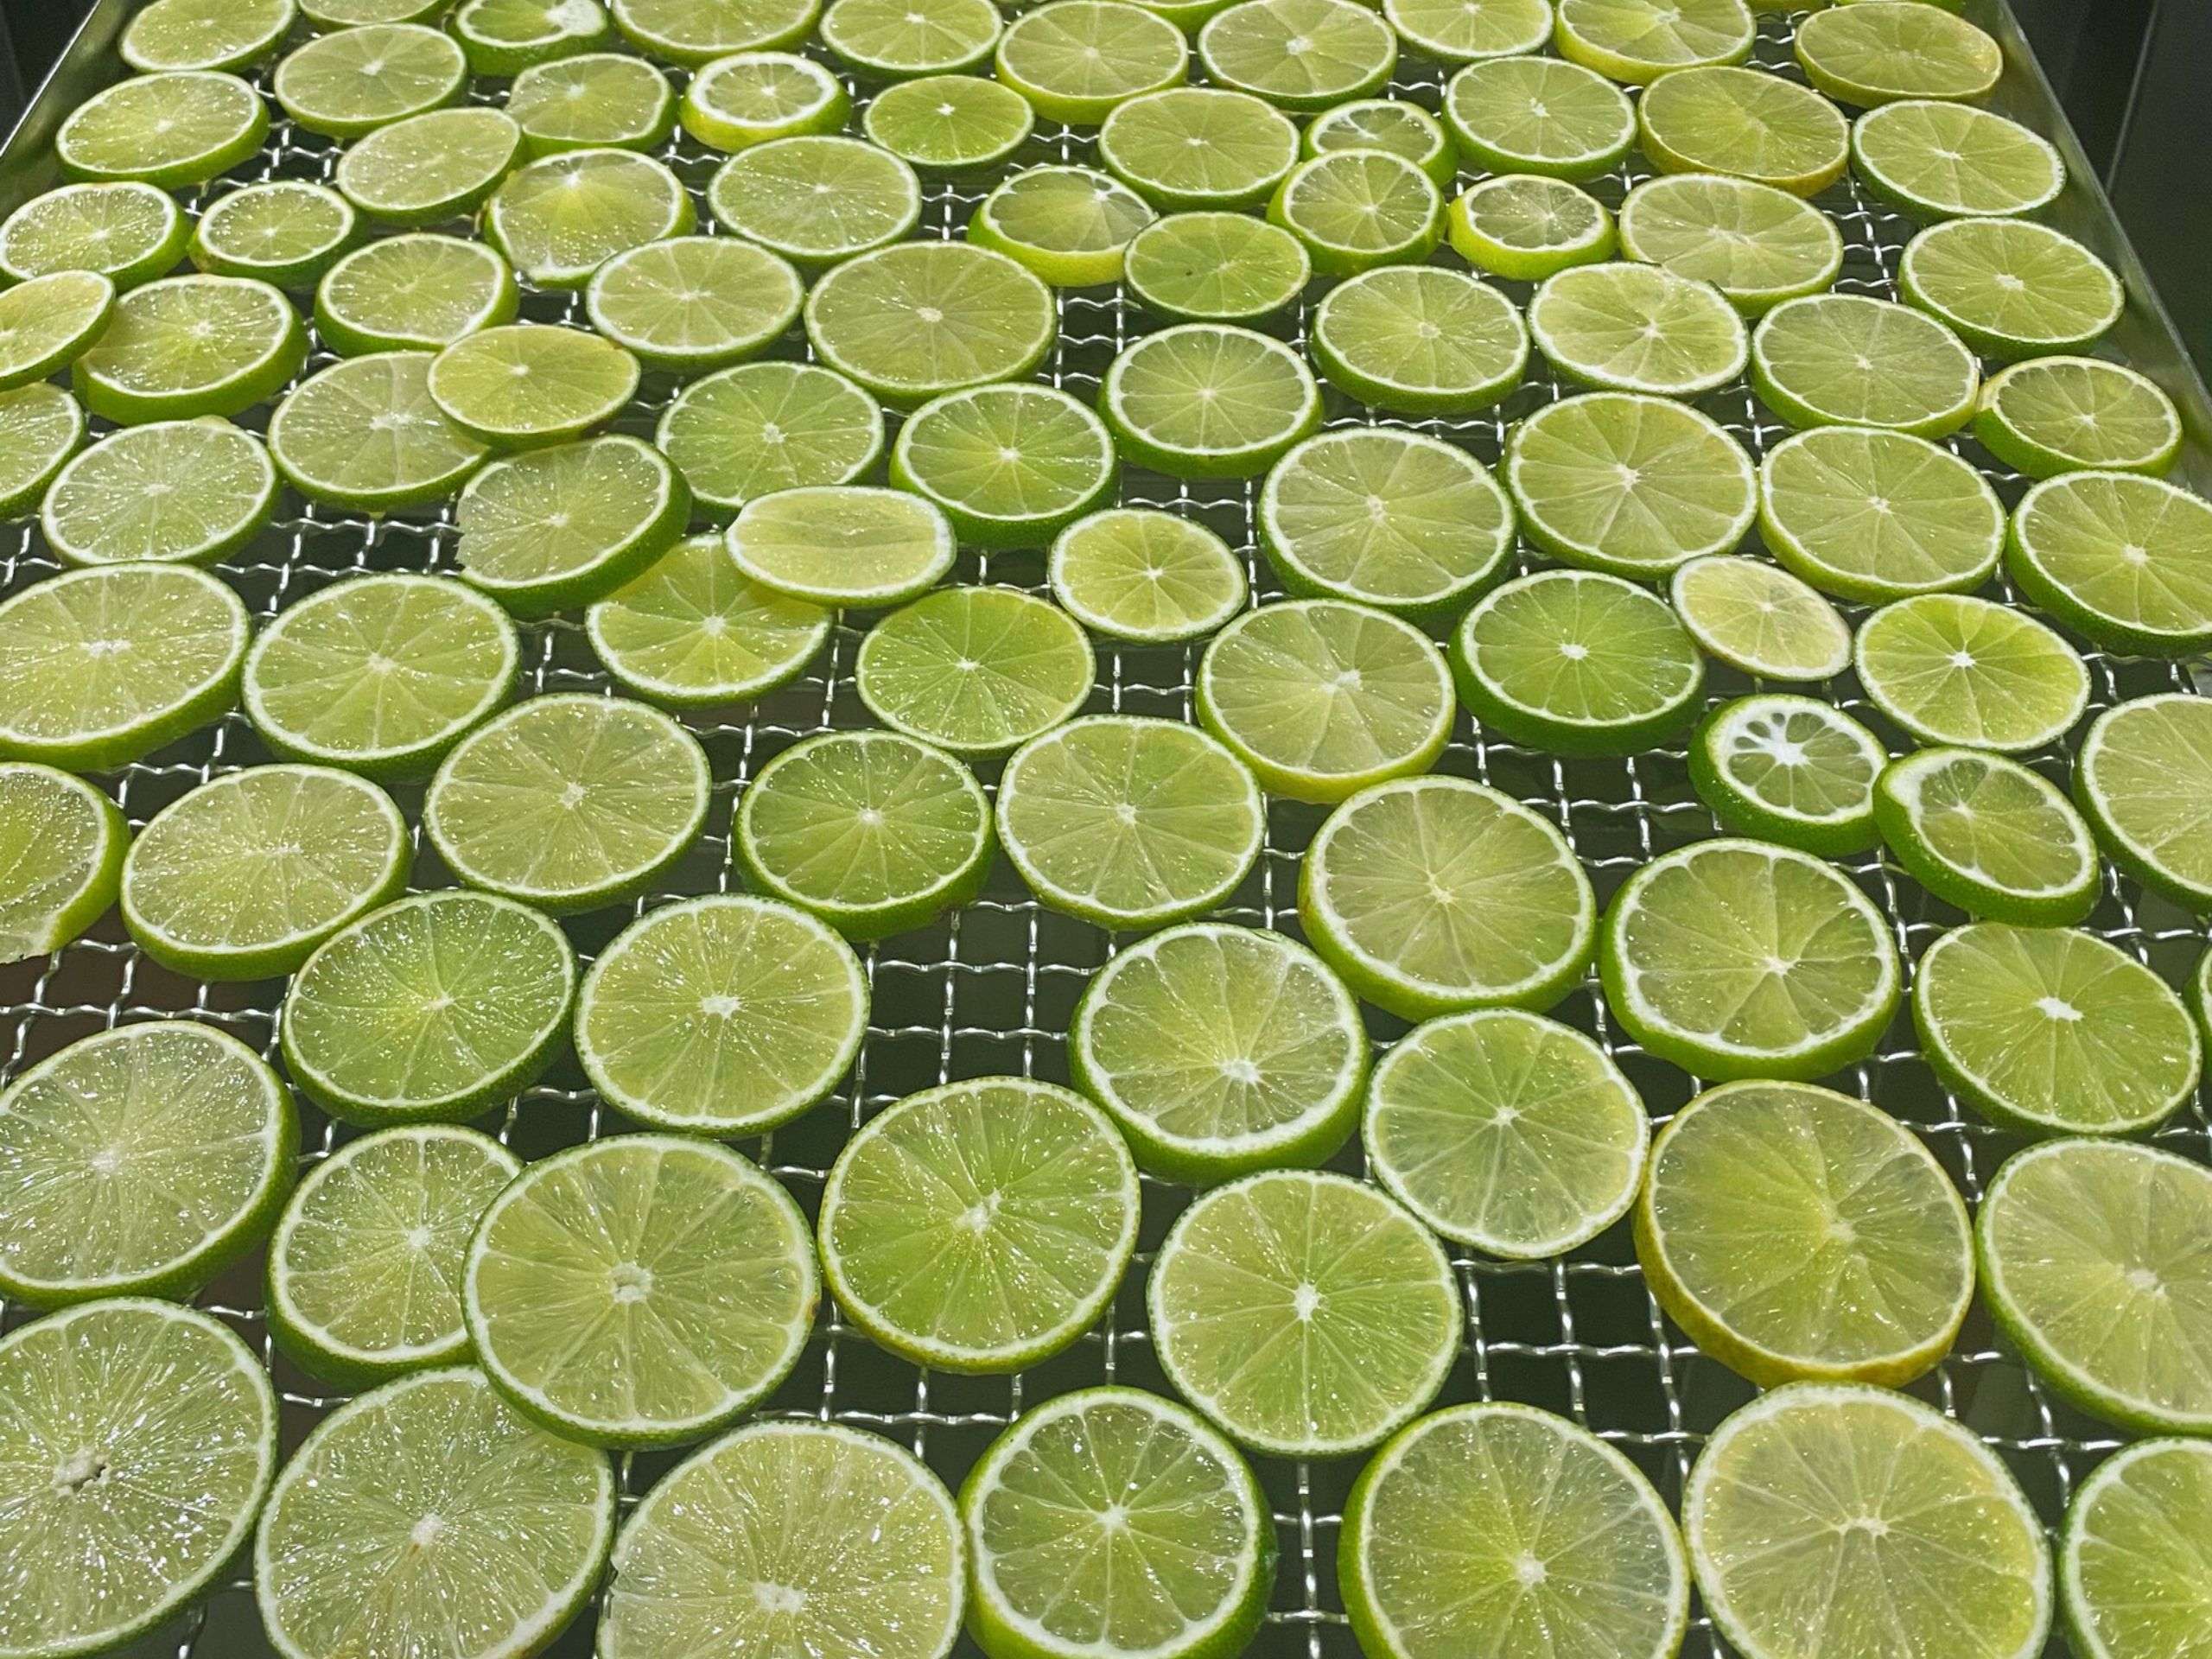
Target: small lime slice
x=1760, y=621
x=843, y=544
x=413, y=293
x=1516, y=932
x=1507, y=1132
x=172, y=34
x=977, y=670
x=504, y=37
x=1307, y=1314
x=1208, y=400
x=599, y=100
x=1877, y=53
x=694, y=302
x=964, y=1248
x=1459, y=31
x=47, y=323
x=1145, y=575
x=1874, y=516
x=1526, y=226
x=2132, y=1562
x=185, y=492
x=750, y=97
x=704, y=1267
x=140, y=1160
x=170, y=131
x=911, y=322
x=2010, y=288
x=1640, y=40
x=1010, y=466
x=366, y=434
x=527, y=384
x=1355, y=209
x=1950, y=667
x=2125, y=561
x=1216, y=267
x=816, y=199
x=1070, y=225
x=286, y=232
x=562, y=217
x=61, y=846
x=551, y=529
x=1538, y=115
x=894, y=39
x=2140, y=779
x=2053, y=414
x=949, y=124
x=430, y=167
x=1621, y=326
x=694, y=632
x=130, y=232
x=694, y=33
x=1988, y=837
x=191, y=346
x=1759, y=245
x=1385, y=123
x=873, y=832
x=1745, y=124
x=1791, y=770
x=1301, y=55
x=1192, y=147
x=1843, y=360
x=353, y=81
x=764, y=427
x=1949, y=160
x=1418, y=340
x=40, y=427
x=1076, y=60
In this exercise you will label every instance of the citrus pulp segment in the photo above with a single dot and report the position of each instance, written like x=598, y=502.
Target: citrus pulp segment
x=1075, y=60
x=504, y=37
x=1527, y=226
x=977, y=670
x=693, y=302
x=1746, y=123
x=1418, y=340
x=429, y=168
x=40, y=427
x=694, y=33
x=286, y=232
x=1217, y=267
x=526, y=385
x=131, y=232
x=600, y=99
x=61, y=847
x=843, y=544
x=894, y=39
x=185, y=492
x=1759, y=245
x=694, y=632
x=2122, y=560
x=48, y=322
x=762, y=427
x=1459, y=31
x=1195, y=147
x=921, y=318
x=1009, y=466
x=550, y=529
x=1950, y=667
x=949, y=124
x=191, y=346
x=1356, y=209
x=1640, y=40
x=2052, y=414
x=1759, y=620
x=1844, y=359
x=1874, y=516
x=1623, y=327
x=1944, y=161
x=167, y=130
x=1386, y=123
x=1538, y=115
x=558, y=219
x=1788, y=769
x=353, y=81
x=412, y=293
x=1070, y=225
x=365, y=434
x=1989, y=836
x=204, y=33
x=1300, y=55
x=2010, y=288
x=817, y=199
x=1208, y=400
x=2138, y=778
x=1877, y=53
x=1145, y=575
x=2132, y=1562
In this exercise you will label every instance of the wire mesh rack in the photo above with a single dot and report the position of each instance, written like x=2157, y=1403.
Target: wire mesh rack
x=990, y=990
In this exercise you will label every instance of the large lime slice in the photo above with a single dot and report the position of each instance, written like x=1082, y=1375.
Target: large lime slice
x=1218, y=267
x=168, y=131
x=1789, y=769
x=1459, y=31
x=949, y=124
x=1950, y=667
x=2132, y=1562
x=1988, y=835
x=412, y=293
x=1076, y=60
x=694, y=632
x=47, y=323
x=352, y=81
x=1145, y=575
x=1417, y=339
x=2053, y=414
x=1759, y=620
x=1745, y=124
x=1010, y=466
x=61, y=847
x=1874, y=516
x=190, y=491
x=562, y=217
x=921, y=318
x=1640, y=40
x=40, y=427
x=891, y=38
x=1639, y=328
x=1943, y=161
x=1358, y=209
x=600, y=99
x=843, y=544
x=694, y=33
x=977, y=670
x=693, y=302
x=1759, y=245
x=1299, y=54
x=1843, y=360
x=430, y=167
x=815, y=197
x=366, y=434
x=550, y=530
x=2124, y=561
x=2140, y=777
x=191, y=346
x=1209, y=400
x=528, y=384
x=204, y=33
x=1193, y=147
x=286, y=232
x=131, y=232
x=1872, y=54
x=764, y=427
x=2011, y=288
x=1538, y=115
x=1070, y=225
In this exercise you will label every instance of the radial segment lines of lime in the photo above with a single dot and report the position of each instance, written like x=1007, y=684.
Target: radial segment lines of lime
x=1950, y=668
x=1418, y=339
x=2124, y=561
x=1989, y=836
x=1528, y=227
x=1145, y=575
x=977, y=670
x=61, y=849
x=694, y=632
x=2132, y=1562
x=1789, y=769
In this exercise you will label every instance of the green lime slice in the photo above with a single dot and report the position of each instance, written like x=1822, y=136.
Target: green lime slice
x=1538, y=115
x=1949, y=160
x=1950, y=667
x=1507, y=1132
x=1791, y=770
x=562, y=217
x=1621, y=326
x=977, y=670
x=1009, y=466
x=366, y=434
x=144, y=1437
x=921, y=318
x=2053, y=414
x=694, y=632
x=286, y=232
x=1193, y=147
x=413, y=293
x=1420, y=340
x=1759, y=245
x=1130, y=823
x=1145, y=575
x=599, y=100
x=430, y=167
x=1874, y=516
x=1459, y=31
x=750, y=97
x=694, y=33
x=1217, y=267
x=2123, y=560
x=2132, y=1563
x=1384, y=124
x=47, y=323
x=1300, y=55
x=191, y=346
x=1514, y=927
x=1220, y=1052
x=1760, y=620
x=894, y=39
x=188, y=491
x=694, y=302
x=243, y=876
x=2010, y=288
x=349, y=83
x=1074, y=60
x=1208, y=400
x=1322, y=698
x=1874, y=54
x=352, y=14
x=2093, y=1262
x=173, y=34
x=526, y=384
x=1070, y=225
x=40, y=427
x=438, y=1006
x=1988, y=837
x=504, y=37
x=1736, y=958
x=1526, y=226
x=140, y=1160
x=963, y=1247
x=170, y=131
x=102, y=667
x=1843, y=360
x=1744, y=123
x=435, y=1504
x=130, y=232
x=816, y=198
x=1355, y=209
x=1510, y=1509
x=762, y=427
x=2139, y=778
x=853, y=1540
x=1305, y=1313
x=843, y=544
x=949, y=124
x=1189, y=15
x=1640, y=40
x=1821, y=1501
x=365, y=1266
x=550, y=530
x=873, y=832
x=61, y=846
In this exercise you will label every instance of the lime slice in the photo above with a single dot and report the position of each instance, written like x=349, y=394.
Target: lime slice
x=102, y=667
x=61, y=846
x=1538, y=115
x=1322, y=698
x=1219, y=267
x=1876, y=516
x=1873, y=54
x=977, y=670
x=599, y=100
x=816, y=199
x=2123, y=560
x=286, y=232
x=2139, y=778
x=1745, y=124
x=170, y=131
x=1419, y=340
x=1145, y=575
x=563, y=216
x=2093, y=1260
x=1843, y=360
x=1191, y=146
x=144, y=1438
x=2011, y=288
x=1074, y=60
x=1511, y=1510
x=1950, y=667
x=1208, y=400
x=526, y=384
x=437, y=1007
x=1070, y=225
x=504, y=37
x=1948, y=160
x=1819, y=1503
x=1791, y=770
x=1384, y=124
x=243, y=876
x=434, y=1515
x=140, y=1160
x=1305, y=1313
x=47, y=323
x=1513, y=929
x=1299, y=55
x=1355, y=209
x=1459, y=31
x=694, y=631
x=352, y=14
x=172, y=34
x=1988, y=837
x=365, y=1266
x=694, y=302
x=1506, y=1131
x=191, y=346
x=430, y=167
x=413, y=293
x=1736, y=958
x=349, y=83
x=1760, y=621
x=750, y=97
x=808, y=1534
x=40, y=427
x=1526, y=226
x=550, y=530
x=694, y=33
x=751, y=431
x=873, y=832
x=1010, y=466
x=189, y=491
x=964, y=1248
x=2053, y=414
x=1632, y=327
x=1759, y=245
x=892, y=39
x=1639, y=41
x=921, y=318
x=2132, y=1562
x=130, y=232
x=843, y=544
x=949, y=124
x=365, y=434
x=1128, y=823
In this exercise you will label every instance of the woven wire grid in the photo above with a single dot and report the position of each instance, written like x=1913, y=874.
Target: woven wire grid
x=990, y=990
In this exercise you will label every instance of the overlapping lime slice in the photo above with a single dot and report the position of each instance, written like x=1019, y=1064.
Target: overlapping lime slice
x=816, y=198
x=1216, y=267
x=1418, y=339
x=843, y=544
x=762, y=427
x=286, y=232
x=694, y=632
x=172, y=34
x=1209, y=400
x=1385, y=123
x=353, y=81
x=2138, y=778
x=1355, y=209
x=1988, y=835
x=1943, y=161
x=412, y=293
x=191, y=346
x=526, y=384
x=61, y=847
x=430, y=167
x=1843, y=360
x=1875, y=516
x=921, y=318
x=131, y=231
x=2011, y=288
x=1527, y=226
x=188, y=491
x=550, y=530
x=1010, y=466
x=749, y=98
x=366, y=434
x=2125, y=561
x=1759, y=245
x=168, y=131
x=1145, y=575
x=1538, y=115
x=1788, y=769
x=562, y=217
x=1746, y=123
x=1760, y=620
x=949, y=124
x=2131, y=1562
x=600, y=99
x=2053, y=414
x=1194, y=147
x=1459, y=31
x=1070, y=225
x=1301, y=55
x=1075, y=60
x=1877, y=53
x=504, y=37
x=1950, y=667
x=40, y=426
x=1640, y=40
x=977, y=670
x=694, y=33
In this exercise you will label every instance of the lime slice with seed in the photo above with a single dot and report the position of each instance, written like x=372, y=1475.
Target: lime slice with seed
x=562, y=217
x=168, y=130
x=47, y=323
x=1791, y=770
x=1355, y=209
x=949, y=124
x=188, y=491
x=550, y=530
x=1747, y=124
x=2132, y=1560
x=1756, y=245
x=1876, y=516
x=2125, y=561
x=1419, y=340
x=694, y=33
x=40, y=427
x=1639, y=41
x=1193, y=147
x=204, y=33
x=2053, y=414
x=349, y=83
x=1525, y=226
x=62, y=846
x=694, y=632
x=1643, y=328
x=1843, y=360
x=130, y=232
x=2139, y=778
x=601, y=99
x=1209, y=400
x=843, y=544
x=977, y=670
x=1538, y=115
x=1010, y=466
x=891, y=39
x=1760, y=621
x=287, y=232
x=1070, y=225
x=1217, y=267
x=1946, y=161
x=502, y=37
x=817, y=200
x=764, y=427
x=1874, y=54
x=750, y=97
x=1989, y=836
x=1950, y=667
x=191, y=346
x=914, y=320
x=1075, y=60
x=2011, y=288
x=430, y=167
x=1145, y=575
x=366, y=434
x=1459, y=31
x=412, y=293
x=694, y=302
x=1299, y=54
x=527, y=384
x=1384, y=124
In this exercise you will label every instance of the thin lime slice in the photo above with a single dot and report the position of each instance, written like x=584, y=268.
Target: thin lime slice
x=529, y=383
x=365, y=1266
x=1760, y=621
x=694, y=33
x=2140, y=779
x=1791, y=770
x=1459, y=31
x=911, y=322
x=855, y=1540
x=1305, y=1313
x=2132, y=1562
x=563, y=216
x=1510, y=1509
x=430, y=167
x=1746, y=123
x=2010, y=288
x=599, y=100
x=61, y=846
x=762, y=427
x=1010, y=466
x=1843, y=360
x=724, y=1016
x=1130, y=823
x=504, y=37
x=894, y=39
x=1355, y=209
x=750, y=97
x=1193, y=147
x=168, y=130
x=432, y=1512
x=1640, y=40
x=1209, y=400
x=143, y=1439
x=1217, y=267
x=1988, y=837
x=2123, y=560
x=437, y=1007
x=286, y=232
x=102, y=667
x=413, y=293
x=40, y=427
x=172, y=34
x=130, y=232
x=1632, y=327
x=140, y=1160
x=2053, y=414
x=1322, y=698
x=694, y=302
x=1876, y=516
x=1949, y=160
x=843, y=544
x=366, y=434
x=977, y=670
x=550, y=530
x=1070, y=225
x=1736, y=958
x=353, y=14
x=243, y=876
x=1419, y=340
x=186, y=492
x=817, y=199
x=2092, y=1259
x=949, y=124
x=47, y=323
x=353, y=81
x=1950, y=667
x=1145, y=575
x=694, y=632
x=1527, y=226
x=1299, y=54
x=1385, y=123
x=1538, y=115
x=1076, y=60
x=1875, y=53
x=873, y=832
x=1759, y=245
x=191, y=346
x=1514, y=925
x=1820, y=1502
x=1507, y=1132
x=964, y=1248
